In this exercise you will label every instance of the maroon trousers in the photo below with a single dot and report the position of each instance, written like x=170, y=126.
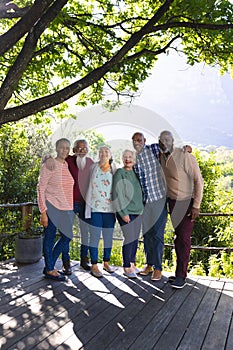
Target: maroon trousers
x=183, y=226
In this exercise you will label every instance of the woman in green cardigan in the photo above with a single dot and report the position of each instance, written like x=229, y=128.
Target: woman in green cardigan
x=128, y=202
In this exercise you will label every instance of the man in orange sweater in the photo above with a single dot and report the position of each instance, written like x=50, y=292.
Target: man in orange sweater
x=184, y=191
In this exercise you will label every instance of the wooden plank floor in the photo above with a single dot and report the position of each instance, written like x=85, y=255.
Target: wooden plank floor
x=112, y=312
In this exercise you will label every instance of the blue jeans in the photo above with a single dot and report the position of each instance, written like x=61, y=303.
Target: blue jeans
x=79, y=208
x=131, y=232
x=52, y=251
x=101, y=223
x=154, y=220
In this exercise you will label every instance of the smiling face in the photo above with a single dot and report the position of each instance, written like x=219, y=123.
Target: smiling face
x=62, y=149
x=138, y=142
x=166, y=139
x=104, y=154
x=128, y=159
x=81, y=149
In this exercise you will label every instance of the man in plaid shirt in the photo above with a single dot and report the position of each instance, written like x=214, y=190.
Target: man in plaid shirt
x=154, y=217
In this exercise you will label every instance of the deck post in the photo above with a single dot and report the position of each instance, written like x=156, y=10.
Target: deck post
x=27, y=215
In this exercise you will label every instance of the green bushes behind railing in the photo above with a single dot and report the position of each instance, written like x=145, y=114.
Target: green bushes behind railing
x=204, y=260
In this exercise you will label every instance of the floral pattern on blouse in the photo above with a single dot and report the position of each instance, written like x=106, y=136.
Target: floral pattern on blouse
x=101, y=198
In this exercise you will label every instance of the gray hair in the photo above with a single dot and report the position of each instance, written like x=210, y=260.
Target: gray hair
x=105, y=147
x=129, y=150
x=61, y=140
x=80, y=140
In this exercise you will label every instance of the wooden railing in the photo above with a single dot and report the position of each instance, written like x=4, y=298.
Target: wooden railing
x=27, y=212
x=27, y=219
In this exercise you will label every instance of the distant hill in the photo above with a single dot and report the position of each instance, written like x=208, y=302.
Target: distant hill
x=198, y=130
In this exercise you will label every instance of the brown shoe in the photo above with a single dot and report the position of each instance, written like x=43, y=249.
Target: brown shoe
x=146, y=271
x=85, y=263
x=156, y=276
x=67, y=268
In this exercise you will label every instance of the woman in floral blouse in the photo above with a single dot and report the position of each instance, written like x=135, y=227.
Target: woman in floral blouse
x=99, y=209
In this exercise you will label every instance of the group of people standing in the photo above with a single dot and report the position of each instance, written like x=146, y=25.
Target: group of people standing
x=154, y=179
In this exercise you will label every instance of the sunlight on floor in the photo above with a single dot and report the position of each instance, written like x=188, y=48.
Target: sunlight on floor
x=121, y=285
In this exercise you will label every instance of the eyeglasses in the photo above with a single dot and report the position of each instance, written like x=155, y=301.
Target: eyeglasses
x=80, y=149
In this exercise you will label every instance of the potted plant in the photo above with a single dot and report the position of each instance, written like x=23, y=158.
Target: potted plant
x=29, y=241
x=28, y=246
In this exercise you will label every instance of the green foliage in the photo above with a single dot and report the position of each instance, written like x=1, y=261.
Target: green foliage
x=169, y=231
x=215, y=266
x=198, y=269
x=205, y=226
x=116, y=254
x=21, y=147
x=140, y=256
x=227, y=264
x=221, y=266
x=91, y=48
x=210, y=173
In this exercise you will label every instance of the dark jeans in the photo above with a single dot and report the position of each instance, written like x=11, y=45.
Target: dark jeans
x=51, y=250
x=131, y=232
x=154, y=220
x=79, y=208
x=183, y=227
x=101, y=223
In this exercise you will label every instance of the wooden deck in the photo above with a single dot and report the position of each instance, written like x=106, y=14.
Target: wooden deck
x=113, y=312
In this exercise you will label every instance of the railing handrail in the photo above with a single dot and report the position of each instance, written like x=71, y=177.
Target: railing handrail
x=198, y=247
x=9, y=205
x=32, y=204
x=216, y=214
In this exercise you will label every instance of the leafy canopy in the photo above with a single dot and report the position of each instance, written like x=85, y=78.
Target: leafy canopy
x=52, y=50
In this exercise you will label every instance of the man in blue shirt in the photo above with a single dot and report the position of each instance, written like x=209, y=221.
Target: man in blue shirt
x=154, y=217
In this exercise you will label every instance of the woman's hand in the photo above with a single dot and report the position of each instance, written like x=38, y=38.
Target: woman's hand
x=50, y=164
x=126, y=218
x=44, y=219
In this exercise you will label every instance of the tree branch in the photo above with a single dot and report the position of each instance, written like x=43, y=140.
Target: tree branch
x=16, y=71
x=192, y=25
x=8, y=9
x=17, y=113
x=10, y=38
x=151, y=52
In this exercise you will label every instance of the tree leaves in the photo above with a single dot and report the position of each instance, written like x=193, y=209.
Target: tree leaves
x=93, y=48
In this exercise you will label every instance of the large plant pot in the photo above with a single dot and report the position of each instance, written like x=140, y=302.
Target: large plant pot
x=28, y=250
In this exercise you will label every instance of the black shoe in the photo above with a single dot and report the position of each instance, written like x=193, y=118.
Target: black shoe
x=55, y=278
x=67, y=268
x=171, y=279
x=85, y=263
x=178, y=283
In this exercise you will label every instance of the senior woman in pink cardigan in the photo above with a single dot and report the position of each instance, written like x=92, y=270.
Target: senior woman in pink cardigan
x=55, y=199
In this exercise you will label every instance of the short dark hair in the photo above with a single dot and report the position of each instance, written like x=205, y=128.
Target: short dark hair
x=138, y=133
x=61, y=140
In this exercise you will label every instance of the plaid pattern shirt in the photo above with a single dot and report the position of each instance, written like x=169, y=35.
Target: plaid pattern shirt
x=150, y=174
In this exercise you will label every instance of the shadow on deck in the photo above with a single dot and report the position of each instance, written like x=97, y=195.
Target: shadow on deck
x=112, y=312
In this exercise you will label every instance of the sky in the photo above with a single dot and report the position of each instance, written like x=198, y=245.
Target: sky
x=194, y=102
